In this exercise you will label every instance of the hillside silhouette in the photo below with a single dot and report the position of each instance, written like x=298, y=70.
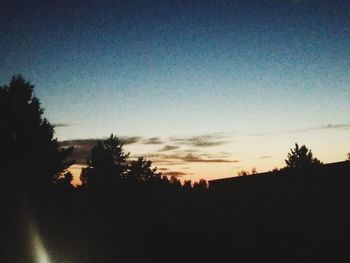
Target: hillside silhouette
x=127, y=211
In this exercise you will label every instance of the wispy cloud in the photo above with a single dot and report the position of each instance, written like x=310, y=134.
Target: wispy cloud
x=306, y=129
x=169, y=148
x=175, y=174
x=123, y=139
x=322, y=127
x=82, y=147
x=166, y=162
x=195, y=159
x=338, y=126
x=148, y=155
x=153, y=140
x=201, y=141
x=265, y=157
x=60, y=125
x=172, y=159
x=189, y=151
x=168, y=155
x=129, y=139
x=79, y=142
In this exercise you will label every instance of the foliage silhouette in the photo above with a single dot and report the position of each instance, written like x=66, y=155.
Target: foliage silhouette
x=246, y=173
x=28, y=147
x=140, y=170
x=187, y=185
x=64, y=181
x=301, y=158
x=202, y=185
x=107, y=163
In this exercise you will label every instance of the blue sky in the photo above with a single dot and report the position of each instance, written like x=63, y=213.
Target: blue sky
x=265, y=73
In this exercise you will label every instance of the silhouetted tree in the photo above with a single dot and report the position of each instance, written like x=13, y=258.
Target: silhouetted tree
x=175, y=182
x=202, y=185
x=301, y=157
x=275, y=170
x=30, y=153
x=243, y=173
x=187, y=185
x=140, y=170
x=348, y=156
x=64, y=181
x=107, y=163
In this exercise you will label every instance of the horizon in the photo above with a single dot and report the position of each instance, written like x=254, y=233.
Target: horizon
x=204, y=157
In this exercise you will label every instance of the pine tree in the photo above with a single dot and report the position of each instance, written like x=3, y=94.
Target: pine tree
x=30, y=154
x=301, y=157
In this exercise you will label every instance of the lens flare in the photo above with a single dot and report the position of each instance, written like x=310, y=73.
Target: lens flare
x=39, y=252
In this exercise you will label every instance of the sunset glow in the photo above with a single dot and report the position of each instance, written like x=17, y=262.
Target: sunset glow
x=245, y=79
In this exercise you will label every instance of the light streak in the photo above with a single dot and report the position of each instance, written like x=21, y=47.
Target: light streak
x=39, y=252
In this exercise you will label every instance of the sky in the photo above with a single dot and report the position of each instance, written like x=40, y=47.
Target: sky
x=204, y=88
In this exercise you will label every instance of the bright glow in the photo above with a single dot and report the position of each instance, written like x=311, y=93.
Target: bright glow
x=39, y=251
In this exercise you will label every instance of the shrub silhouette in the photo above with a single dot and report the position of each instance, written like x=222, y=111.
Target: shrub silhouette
x=301, y=158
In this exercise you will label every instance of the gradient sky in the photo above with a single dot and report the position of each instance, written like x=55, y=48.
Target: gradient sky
x=245, y=78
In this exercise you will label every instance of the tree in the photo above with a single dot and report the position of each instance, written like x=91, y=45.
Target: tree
x=202, y=185
x=140, y=170
x=187, y=185
x=246, y=173
x=242, y=173
x=301, y=158
x=107, y=163
x=28, y=150
x=64, y=181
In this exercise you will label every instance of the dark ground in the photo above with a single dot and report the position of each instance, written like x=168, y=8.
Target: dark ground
x=279, y=218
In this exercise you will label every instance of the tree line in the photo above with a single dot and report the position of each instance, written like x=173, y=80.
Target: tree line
x=127, y=211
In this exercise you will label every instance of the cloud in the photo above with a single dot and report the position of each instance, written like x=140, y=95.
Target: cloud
x=190, y=158
x=168, y=155
x=129, y=139
x=176, y=159
x=176, y=174
x=78, y=142
x=306, y=129
x=338, y=126
x=153, y=140
x=168, y=163
x=148, y=155
x=60, y=125
x=82, y=147
x=169, y=148
x=265, y=157
x=189, y=151
x=162, y=169
x=323, y=127
x=201, y=141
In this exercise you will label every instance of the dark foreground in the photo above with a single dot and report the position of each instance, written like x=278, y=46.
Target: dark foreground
x=295, y=218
